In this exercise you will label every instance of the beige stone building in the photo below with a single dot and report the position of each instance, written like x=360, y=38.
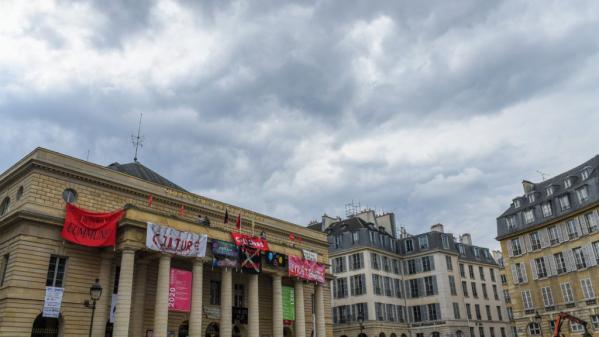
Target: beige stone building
x=224, y=302
x=550, y=242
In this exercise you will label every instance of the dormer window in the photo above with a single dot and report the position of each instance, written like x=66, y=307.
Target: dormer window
x=528, y=216
x=517, y=203
x=549, y=191
x=511, y=222
x=586, y=172
x=531, y=198
x=568, y=183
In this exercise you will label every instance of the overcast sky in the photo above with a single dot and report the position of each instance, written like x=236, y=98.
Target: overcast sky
x=435, y=111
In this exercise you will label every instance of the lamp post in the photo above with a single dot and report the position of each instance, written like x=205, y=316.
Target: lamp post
x=95, y=291
x=539, y=321
x=361, y=321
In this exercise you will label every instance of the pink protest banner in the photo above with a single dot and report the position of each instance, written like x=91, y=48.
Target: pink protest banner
x=179, y=292
x=305, y=269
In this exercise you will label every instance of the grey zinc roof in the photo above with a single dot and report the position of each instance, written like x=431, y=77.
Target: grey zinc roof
x=541, y=196
x=140, y=171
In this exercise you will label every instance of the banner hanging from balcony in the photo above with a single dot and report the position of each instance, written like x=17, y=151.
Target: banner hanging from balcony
x=251, y=260
x=306, y=269
x=226, y=254
x=288, y=305
x=254, y=242
x=179, y=290
x=90, y=229
x=169, y=240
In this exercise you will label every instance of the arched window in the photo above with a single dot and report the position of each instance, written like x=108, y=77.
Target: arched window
x=403, y=335
x=184, y=329
x=459, y=333
x=212, y=330
x=382, y=334
x=393, y=335
x=4, y=206
x=45, y=327
x=69, y=195
x=436, y=334
x=362, y=335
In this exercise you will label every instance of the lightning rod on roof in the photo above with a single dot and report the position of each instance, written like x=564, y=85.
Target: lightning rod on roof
x=137, y=140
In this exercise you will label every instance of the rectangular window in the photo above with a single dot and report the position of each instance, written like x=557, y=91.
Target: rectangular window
x=474, y=292
x=590, y=222
x=499, y=314
x=582, y=194
x=579, y=258
x=379, y=309
x=535, y=240
x=481, y=331
x=471, y=331
x=587, y=289
x=567, y=293
x=357, y=261
x=546, y=208
x=448, y=262
x=3, y=269
x=554, y=235
x=549, y=191
x=596, y=251
x=564, y=202
x=567, y=183
x=445, y=241
x=214, y=292
x=484, y=288
x=560, y=263
x=516, y=248
x=238, y=293
x=492, y=272
x=376, y=283
x=358, y=284
x=528, y=216
x=432, y=312
x=411, y=267
x=510, y=222
x=461, y=249
x=506, y=296
x=338, y=239
x=397, y=283
x=452, y=287
x=339, y=264
x=341, y=287
x=547, y=297
x=375, y=260
x=465, y=288
x=471, y=271
x=462, y=271
x=414, y=288
x=503, y=279
x=481, y=272
x=595, y=322
x=502, y=332
x=527, y=300
x=495, y=293
x=417, y=315
x=575, y=327
x=426, y=263
x=468, y=311
x=386, y=265
x=56, y=271
x=541, y=268
x=477, y=312
x=428, y=286
x=423, y=242
x=355, y=237
x=387, y=286
x=572, y=229
x=396, y=267
x=488, y=311
x=409, y=245
x=456, y=310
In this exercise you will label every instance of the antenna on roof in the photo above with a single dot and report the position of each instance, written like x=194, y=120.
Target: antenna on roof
x=543, y=174
x=138, y=141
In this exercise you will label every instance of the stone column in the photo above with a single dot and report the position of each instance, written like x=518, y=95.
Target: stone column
x=277, y=306
x=123, y=305
x=226, y=303
x=300, y=312
x=195, y=317
x=253, y=308
x=139, y=296
x=102, y=305
x=321, y=330
x=161, y=304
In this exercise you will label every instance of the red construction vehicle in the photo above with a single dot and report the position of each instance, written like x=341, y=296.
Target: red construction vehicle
x=560, y=320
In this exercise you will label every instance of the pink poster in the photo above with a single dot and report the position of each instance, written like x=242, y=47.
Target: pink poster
x=305, y=269
x=179, y=292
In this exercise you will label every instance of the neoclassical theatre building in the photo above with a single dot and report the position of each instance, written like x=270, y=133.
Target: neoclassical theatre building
x=262, y=278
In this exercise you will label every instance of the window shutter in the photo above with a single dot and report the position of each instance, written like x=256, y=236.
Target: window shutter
x=435, y=288
x=550, y=263
x=418, y=263
x=350, y=265
x=344, y=262
x=408, y=292
x=365, y=307
x=334, y=289
x=515, y=273
x=439, y=317
x=335, y=315
x=420, y=282
x=361, y=260
x=510, y=251
x=583, y=227
x=578, y=226
x=564, y=232
x=432, y=261
x=410, y=314
x=524, y=276
x=527, y=244
x=560, y=234
x=570, y=262
x=589, y=255
x=533, y=268
x=544, y=237
x=424, y=312
x=363, y=288
x=352, y=285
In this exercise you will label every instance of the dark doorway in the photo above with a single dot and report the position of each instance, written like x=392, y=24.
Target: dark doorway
x=212, y=330
x=184, y=329
x=45, y=327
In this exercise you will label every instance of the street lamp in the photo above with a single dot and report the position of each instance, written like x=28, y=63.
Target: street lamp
x=539, y=319
x=361, y=321
x=95, y=291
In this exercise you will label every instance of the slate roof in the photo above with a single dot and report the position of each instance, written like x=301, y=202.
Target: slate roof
x=140, y=171
x=352, y=224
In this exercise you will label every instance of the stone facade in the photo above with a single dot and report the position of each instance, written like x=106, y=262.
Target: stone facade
x=550, y=244
x=31, y=246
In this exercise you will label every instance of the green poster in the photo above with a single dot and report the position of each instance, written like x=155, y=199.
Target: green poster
x=288, y=304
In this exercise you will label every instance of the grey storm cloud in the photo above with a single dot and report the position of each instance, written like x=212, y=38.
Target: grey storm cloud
x=435, y=111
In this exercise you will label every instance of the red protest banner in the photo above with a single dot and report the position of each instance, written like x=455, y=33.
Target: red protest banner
x=305, y=269
x=250, y=241
x=89, y=228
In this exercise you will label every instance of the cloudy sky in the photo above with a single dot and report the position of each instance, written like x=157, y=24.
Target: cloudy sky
x=433, y=111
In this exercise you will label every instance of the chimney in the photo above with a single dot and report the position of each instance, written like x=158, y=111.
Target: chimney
x=466, y=239
x=437, y=228
x=527, y=186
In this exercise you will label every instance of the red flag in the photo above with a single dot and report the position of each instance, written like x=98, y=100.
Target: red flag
x=291, y=236
x=90, y=229
x=226, y=216
x=182, y=210
x=238, y=224
x=299, y=239
x=150, y=199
